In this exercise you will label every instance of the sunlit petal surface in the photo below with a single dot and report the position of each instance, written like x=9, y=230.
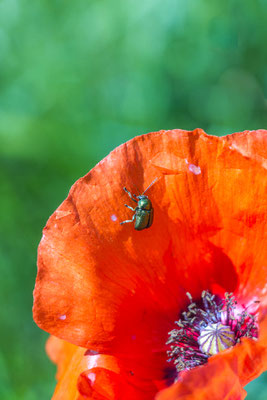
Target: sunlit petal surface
x=117, y=292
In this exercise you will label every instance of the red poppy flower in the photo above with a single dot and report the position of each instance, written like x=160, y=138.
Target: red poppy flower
x=117, y=291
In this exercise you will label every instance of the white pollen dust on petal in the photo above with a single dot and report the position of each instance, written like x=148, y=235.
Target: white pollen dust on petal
x=113, y=217
x=91, y=376
x=92, y=361
x=195, y=169
x=62, y=317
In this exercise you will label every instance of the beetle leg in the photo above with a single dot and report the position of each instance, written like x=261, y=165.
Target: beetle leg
x=131, y=208
x=128, y=220
x=129, y=194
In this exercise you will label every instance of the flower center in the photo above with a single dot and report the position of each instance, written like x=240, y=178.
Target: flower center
x=208, y=327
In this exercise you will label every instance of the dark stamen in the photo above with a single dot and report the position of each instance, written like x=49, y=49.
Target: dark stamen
x=207, y=329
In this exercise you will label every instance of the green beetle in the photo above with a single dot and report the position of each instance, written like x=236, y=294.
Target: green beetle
x=143, y=213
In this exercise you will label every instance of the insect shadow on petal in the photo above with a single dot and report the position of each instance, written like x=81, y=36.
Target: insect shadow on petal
x=143, y=212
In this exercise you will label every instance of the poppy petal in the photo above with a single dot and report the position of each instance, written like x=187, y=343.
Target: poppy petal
x=110, y=288
x=100, y=377
x=252, y=144
x=246, y=221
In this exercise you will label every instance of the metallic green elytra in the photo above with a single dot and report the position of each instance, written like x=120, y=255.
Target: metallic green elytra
x=143, y=213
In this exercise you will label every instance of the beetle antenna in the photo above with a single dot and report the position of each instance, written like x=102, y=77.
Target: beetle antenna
x=152, y=183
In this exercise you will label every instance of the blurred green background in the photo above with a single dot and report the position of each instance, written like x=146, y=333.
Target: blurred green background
x=78, y=78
